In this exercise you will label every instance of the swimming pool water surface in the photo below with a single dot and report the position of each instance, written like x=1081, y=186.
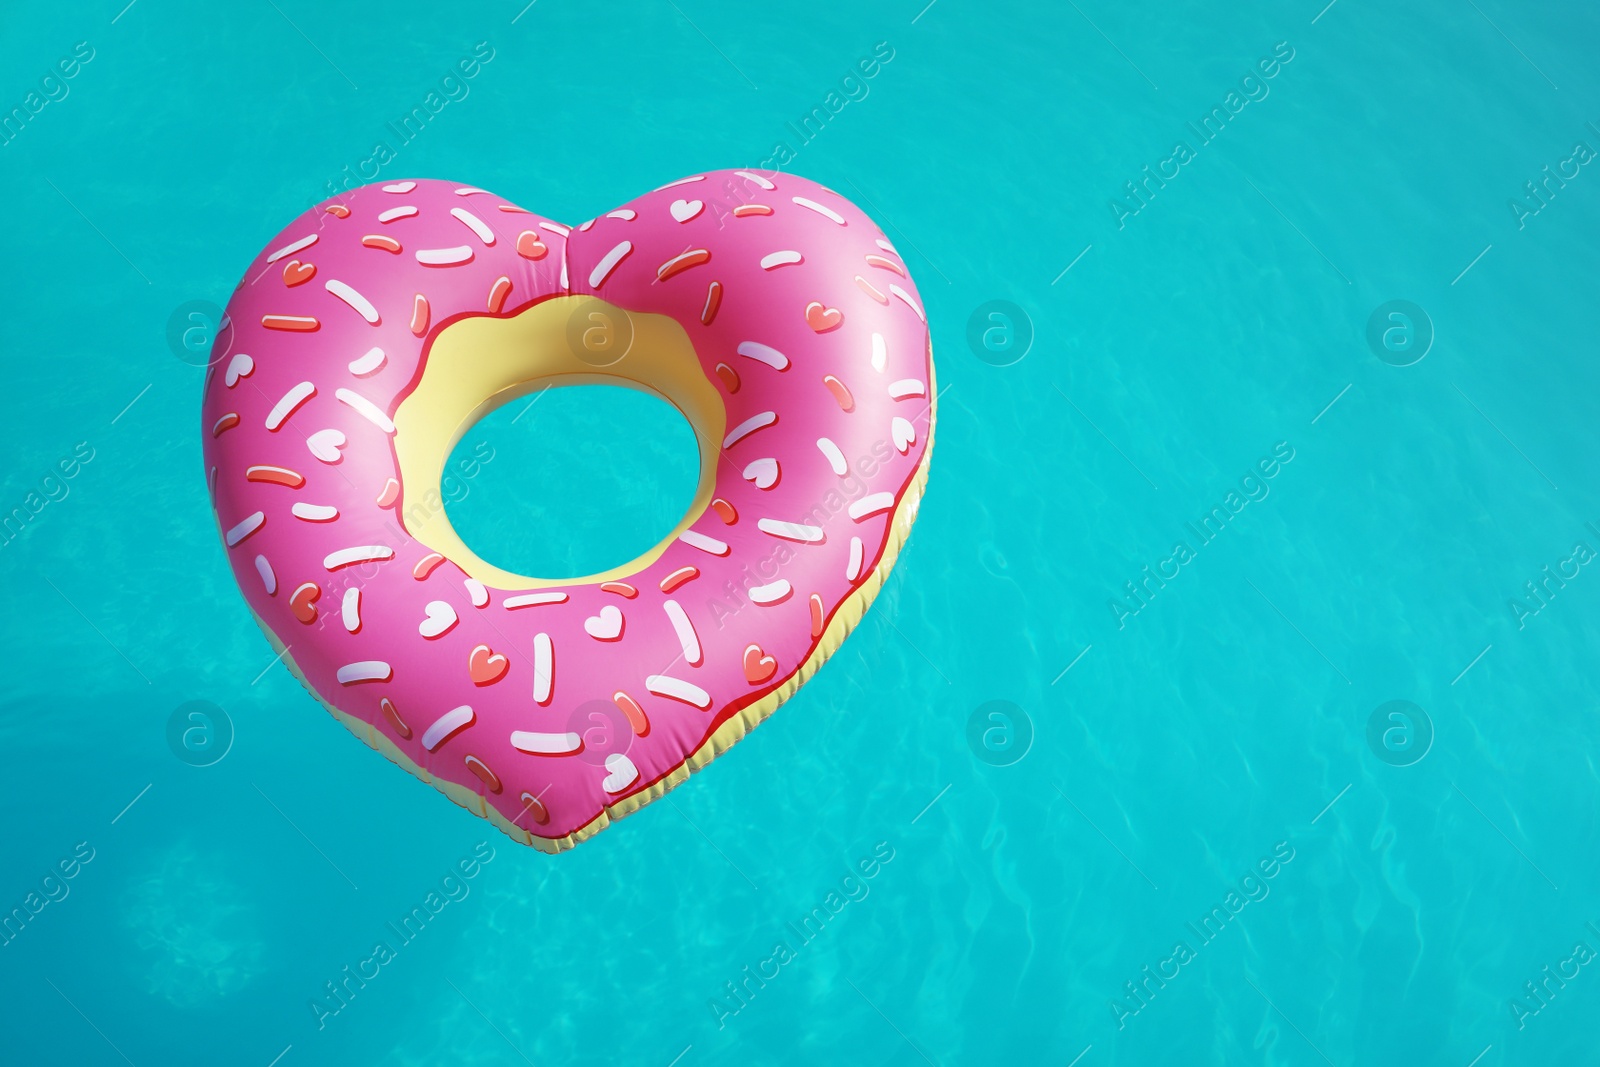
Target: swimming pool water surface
x=1233, y=701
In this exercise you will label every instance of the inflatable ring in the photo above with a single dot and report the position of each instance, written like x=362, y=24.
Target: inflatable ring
x=374, y=330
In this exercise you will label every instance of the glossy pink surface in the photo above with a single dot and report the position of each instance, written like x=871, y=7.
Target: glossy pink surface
x=810, y=290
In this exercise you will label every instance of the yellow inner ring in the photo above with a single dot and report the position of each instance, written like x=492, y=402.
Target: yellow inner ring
x=477, y=364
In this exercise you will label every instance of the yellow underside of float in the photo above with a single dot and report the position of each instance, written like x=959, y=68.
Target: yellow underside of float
x=478, y=356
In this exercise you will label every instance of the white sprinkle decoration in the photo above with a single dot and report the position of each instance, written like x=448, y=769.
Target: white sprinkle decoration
x=528, y=600
x=792, y=531
x=544, y=668
x=685, y=210
x=556, y=227
x=886, y=246
x=758, y=179
x=444, y=257
x=880, y=353
x=239, y=366
x=825, y=212
x=871, y=504
x=537, y=744
x=367, y=363
x=763, y=472
x=473, y=223
x=764, y=354
x=325, y=445
x=695, y=539
x=269, y=580
x=291, y=249
x=606, y=626
x=910, y=303
x=620, y=773
x=368, y=670
x=400, y=187
x=835, y=457
x=353, y=298
x=853, y=571
x=602, y=270
x=681, y=181
x=366, y=409
x=289, y=404
x=350, y=610
x=315, y=512
x=397, y=213
x=244, y=528
x=688, y=640
x=344, y=557
x=677, y=689
x=774, y=260
x=626, y=214
x=905, y=434
x=470, y=190
x=476, y=590
x=906, y=388
x=447, y=726
x=773, y=593
x=439, y=618
x=748, y=427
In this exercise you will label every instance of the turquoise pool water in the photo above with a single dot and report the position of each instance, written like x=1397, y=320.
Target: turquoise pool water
x=1051, y=886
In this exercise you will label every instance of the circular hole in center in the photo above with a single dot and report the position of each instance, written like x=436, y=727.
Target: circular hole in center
x=571, y=481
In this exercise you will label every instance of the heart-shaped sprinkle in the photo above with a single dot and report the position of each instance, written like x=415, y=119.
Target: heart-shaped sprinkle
x=325, y=445
x=298, y=273
x=303, y=602
x=620, y=773
x=239, y=366
x=758, y=666
x=822, y=318
x=529, y=246
x=485, y=667
x=438, y=621
x=684, y=210
x=905, y=434
x=764, y=472
x=606, y=626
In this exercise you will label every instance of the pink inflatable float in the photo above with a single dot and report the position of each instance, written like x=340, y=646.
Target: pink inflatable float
x=378, y=327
